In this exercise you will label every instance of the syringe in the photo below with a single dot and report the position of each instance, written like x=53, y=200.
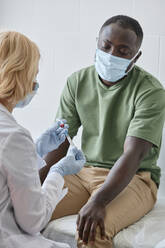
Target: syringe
x=70, y=140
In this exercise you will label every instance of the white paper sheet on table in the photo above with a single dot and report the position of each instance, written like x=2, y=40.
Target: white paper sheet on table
x=149, y=232
x=161, y=244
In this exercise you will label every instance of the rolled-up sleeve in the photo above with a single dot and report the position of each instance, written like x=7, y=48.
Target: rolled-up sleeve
x=148, y=120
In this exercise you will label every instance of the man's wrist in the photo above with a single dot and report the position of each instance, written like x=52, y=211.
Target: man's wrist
x=99, y=201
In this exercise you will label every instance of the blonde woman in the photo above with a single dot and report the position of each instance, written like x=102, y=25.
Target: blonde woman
x=25, y=205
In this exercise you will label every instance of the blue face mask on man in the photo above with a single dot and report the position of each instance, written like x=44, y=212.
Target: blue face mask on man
x=109, y=67
x=28, y=98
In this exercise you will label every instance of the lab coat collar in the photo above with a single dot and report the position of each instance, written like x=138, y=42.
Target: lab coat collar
x=4, y=109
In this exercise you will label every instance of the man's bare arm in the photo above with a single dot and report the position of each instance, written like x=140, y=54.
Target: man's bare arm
x=93, y=212
x=53, y=157
x=135, y=149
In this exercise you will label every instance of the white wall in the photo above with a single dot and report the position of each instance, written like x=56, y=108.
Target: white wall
x=66, y=31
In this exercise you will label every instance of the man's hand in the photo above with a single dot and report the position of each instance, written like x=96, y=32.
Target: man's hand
x=89, y=217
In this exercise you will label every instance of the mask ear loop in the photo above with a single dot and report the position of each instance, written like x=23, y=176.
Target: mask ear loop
x=36, y=84
x=132, y=63
x=97, y=39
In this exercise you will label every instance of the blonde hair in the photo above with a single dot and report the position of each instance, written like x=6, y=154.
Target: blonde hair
x=19, y=58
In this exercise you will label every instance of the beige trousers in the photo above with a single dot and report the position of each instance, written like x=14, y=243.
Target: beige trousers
x=137, y=199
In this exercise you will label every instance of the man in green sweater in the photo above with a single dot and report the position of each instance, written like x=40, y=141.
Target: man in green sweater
x=121, y=109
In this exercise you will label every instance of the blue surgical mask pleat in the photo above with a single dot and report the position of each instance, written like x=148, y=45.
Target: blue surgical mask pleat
x=109, y=67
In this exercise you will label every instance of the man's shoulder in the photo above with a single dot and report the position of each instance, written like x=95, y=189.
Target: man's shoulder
x=82, y=73
x=146, y=79
x=148, y=87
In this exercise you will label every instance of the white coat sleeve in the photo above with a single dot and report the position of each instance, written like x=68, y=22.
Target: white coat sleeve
x=32, y=204
x=40, y=162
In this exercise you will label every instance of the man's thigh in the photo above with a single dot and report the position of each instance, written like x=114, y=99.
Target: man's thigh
x=76, y=197
x=137, y=199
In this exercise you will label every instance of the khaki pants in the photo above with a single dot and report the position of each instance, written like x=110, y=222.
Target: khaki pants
x=137, y=199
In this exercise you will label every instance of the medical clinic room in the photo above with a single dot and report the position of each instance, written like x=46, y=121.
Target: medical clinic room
x=82, y=113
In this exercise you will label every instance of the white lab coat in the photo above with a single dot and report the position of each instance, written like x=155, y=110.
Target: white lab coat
x=25, y=205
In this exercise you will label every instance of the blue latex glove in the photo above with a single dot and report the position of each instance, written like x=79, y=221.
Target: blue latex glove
x=71, y=164
x=52, y=138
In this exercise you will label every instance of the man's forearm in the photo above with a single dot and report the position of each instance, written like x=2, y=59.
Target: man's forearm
x=52, y=158
x=118, y=178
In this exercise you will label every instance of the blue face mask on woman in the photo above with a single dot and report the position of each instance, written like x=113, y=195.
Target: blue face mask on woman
x=109, y=67
x=28, y=98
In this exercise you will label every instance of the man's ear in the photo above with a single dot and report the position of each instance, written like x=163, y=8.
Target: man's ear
x=133, y=61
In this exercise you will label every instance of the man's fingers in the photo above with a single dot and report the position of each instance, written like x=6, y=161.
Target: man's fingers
x=81, y=227
x=86, y=231
x=102, y=229
x=78, y=220
x=92, y=234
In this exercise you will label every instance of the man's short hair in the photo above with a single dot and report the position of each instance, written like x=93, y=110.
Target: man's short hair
x=126, y=22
